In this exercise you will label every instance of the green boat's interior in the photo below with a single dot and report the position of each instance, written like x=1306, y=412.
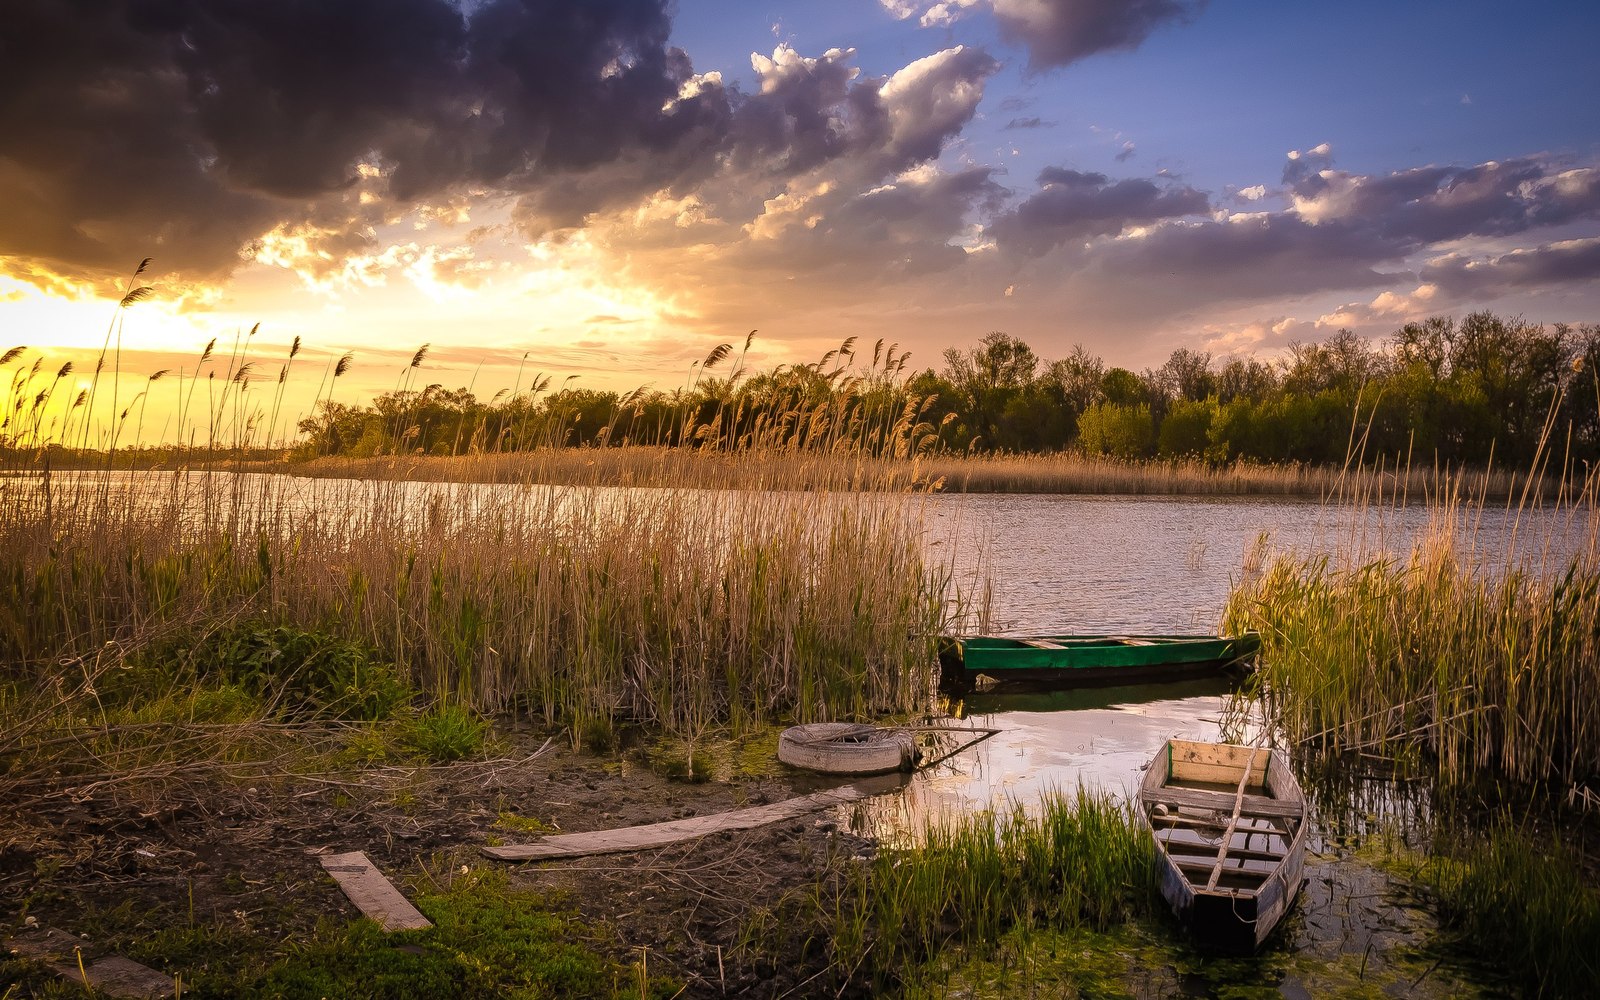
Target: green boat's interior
x=1088, y=641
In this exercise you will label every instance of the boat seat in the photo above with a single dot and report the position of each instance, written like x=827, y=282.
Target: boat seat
x=1042, y=644
x=1128, y=640
x=1251, y=805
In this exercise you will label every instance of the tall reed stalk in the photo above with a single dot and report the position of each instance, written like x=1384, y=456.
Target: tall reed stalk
x=1476, y=666
x=674, y=606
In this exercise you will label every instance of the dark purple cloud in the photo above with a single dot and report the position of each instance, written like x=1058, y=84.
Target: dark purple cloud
x=184, y=127
x=1341, y=231
x=1059, y=32
x=809, y=115
x=1470, y=279
x=187, y=128
x=1072, y=205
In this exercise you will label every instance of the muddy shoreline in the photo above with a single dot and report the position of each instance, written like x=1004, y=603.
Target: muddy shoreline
x=714, y=914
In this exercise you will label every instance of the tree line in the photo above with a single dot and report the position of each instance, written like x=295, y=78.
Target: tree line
x=1484, y=388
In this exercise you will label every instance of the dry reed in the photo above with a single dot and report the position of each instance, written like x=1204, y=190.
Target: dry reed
x=1480, y=667
x=675, y=607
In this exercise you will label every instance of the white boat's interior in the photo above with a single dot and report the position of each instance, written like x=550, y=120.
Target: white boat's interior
x=1226, y=816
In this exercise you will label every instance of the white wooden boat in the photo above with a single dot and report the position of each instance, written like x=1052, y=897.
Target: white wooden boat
x=1230, y=825
x=847, y=748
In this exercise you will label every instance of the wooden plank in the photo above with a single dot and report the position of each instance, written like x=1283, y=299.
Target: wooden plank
x=1233, y=824
x=639, y=838
x=114, y=976
x=1204, y=867
x=1219, y=774
x=1173, y=820
x=1177, y=847
x=1250, y=806
x=1230, y=754
x=373, y=894
x=1042, y=644
x=123, y=977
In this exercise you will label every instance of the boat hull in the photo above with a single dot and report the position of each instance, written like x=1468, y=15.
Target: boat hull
x=1093, y=660
x=1200, y=799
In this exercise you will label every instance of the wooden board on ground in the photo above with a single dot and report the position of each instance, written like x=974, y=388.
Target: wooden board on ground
x=114, y=976
x=639, y=838
x=373, y=894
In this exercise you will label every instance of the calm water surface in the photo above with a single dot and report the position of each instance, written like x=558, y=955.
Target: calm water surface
x=1111, y=564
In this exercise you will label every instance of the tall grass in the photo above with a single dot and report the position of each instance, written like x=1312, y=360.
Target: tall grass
x=673, y=606
x=757, y=468
x=1477, y=667
x=583, y=604
x=1069, y=861
x=1528, y=897
x=1071, y=472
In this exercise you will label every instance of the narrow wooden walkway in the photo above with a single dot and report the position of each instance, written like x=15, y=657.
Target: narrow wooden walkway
x=639, y=838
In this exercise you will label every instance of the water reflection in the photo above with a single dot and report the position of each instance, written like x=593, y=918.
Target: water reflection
x=1100, y=738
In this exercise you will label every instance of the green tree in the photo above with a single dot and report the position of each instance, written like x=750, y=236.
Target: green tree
x=1186, y=429
x=986, y=379
x=1116, y=430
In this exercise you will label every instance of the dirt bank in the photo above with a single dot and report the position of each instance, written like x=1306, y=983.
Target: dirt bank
x=225, y=858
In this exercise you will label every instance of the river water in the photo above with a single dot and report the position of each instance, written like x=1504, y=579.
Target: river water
x=1121, y=564
x=1063, y=564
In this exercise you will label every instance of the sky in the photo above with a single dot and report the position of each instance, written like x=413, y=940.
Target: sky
x=607, y=190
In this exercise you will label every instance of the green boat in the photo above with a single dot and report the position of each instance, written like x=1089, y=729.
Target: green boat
x=1092, y=659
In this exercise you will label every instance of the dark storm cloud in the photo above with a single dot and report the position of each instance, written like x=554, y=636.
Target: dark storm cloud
x=808, y=111
x=1341, y=230
x=1059, y=32
x=809, y=115
x=888, y=232
x=1266, y=251
x=187, y=128
x=1071, y=205
x=184, y=127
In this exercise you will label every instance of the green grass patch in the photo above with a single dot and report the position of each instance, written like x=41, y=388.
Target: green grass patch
x=523, y=824
x=1072, y=861
x=681, y=760
x=489, y=940
x=446, y=732
x=306, y=673
x=1528, y=896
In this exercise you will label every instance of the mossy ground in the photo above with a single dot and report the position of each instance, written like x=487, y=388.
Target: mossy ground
x=1150, y=957
x=489, y=940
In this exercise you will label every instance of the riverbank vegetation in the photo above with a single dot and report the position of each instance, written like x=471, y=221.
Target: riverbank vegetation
x=1472, y=673
x=1529, y=894
x=584, y=606
x=1439, y=395
x=1067, y=861
x=1475, y=667
x=1442, y=392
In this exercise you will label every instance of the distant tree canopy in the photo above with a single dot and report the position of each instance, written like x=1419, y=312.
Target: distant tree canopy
x=1437, y=391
